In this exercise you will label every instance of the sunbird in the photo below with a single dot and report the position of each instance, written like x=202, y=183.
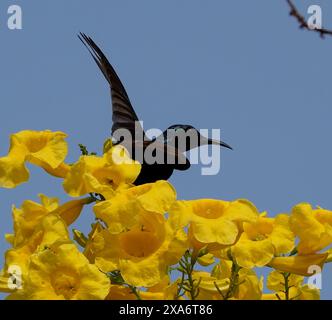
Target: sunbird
x=124, y=117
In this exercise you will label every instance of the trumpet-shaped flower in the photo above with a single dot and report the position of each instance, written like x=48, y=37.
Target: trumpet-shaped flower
x=71, y=210
x=293, y=285
x=303, y=292
x=210, y=287
x=262, y=240
x=300, y=265
x=49, y=230
x=29, y=216
x=247, y=287
x=31, y=213
x=142, y=253
x=276, y=281
x=60, y=172
x=312, y=226
x=213, y=223
x=43, y=148
x=101, y=174
x=62, y=272
x=217, y=285
x=123, y=210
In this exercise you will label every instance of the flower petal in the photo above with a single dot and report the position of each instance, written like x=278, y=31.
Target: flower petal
x=300, y=265
x=249, y=254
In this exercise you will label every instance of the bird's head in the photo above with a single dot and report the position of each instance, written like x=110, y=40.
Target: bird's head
x=177, y=129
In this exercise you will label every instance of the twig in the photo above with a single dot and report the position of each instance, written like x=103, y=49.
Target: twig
x=188, y=283
x=303, y=23
x=234, y=281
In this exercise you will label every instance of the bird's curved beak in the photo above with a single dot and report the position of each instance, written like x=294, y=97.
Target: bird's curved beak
x=219, y=143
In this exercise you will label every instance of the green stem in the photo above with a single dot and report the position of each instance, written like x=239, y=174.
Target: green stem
x=179, y=292
x=234, y=281
x=188, y=284
x=287, y=287
x=135, y=292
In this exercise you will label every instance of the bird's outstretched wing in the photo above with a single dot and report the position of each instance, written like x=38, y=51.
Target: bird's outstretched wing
x=124, y=116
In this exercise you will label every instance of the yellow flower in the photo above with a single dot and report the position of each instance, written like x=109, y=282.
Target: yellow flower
x=29, y=216
x=213, y=223
x=90, y=243
x=119, y=292
x=300, y=265
x=164, y=290
x=206, y=260
x=101, y=174
x=276, y=281
x=124, y=169
x=313, y=227
x=296, y=290
x=161, y=291
x=43, y=148
x=262, y=240
x=71, y=210
x=12, y=169
x=216, y=286
x=308, y=293
x=208, y=286
x=123, y=210
x=142, y=253
x=36, y=226
x=61, y=272
x=249, y=285
x=49, y=230
x=60, y=172
x=31, y=213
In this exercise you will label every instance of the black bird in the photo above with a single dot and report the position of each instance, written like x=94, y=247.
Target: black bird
x=124, y=117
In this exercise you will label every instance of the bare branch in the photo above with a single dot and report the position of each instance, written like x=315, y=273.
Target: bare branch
x=303, y=23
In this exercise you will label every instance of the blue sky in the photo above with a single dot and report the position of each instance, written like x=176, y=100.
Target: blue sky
x=241, y=66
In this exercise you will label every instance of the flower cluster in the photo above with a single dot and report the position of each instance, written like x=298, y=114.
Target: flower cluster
x=144, y=243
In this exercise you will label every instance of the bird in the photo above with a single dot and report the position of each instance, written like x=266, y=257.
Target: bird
x=125, y=117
